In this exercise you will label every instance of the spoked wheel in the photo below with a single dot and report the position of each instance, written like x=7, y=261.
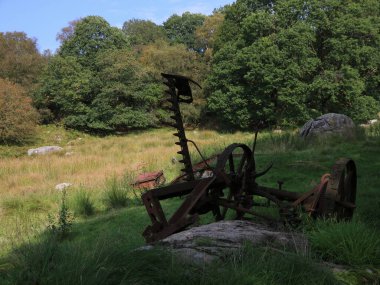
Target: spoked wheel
x=233, y=165
x=341, y=190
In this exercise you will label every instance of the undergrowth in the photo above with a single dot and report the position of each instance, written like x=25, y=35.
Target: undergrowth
x=351, y=243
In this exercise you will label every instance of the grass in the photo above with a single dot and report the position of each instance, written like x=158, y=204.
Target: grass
x=83, y=204
x=100, y=246
x=115, y=195
x=351, y=243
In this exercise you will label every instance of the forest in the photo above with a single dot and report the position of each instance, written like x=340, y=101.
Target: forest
x=270, y=63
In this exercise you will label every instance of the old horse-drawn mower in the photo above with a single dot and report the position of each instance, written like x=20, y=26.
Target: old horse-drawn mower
x=230, y=183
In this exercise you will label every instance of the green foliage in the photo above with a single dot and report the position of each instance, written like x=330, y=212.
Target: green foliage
x=103, y=89
x=20, y=60
x=142, y=32
x=351, y=243
x=162, y=57
x=83, y=204
x=206, y=34
x=181, y=29
x=61, y=227
x=116, y=194
x=286, y=61
x=364, y=108
x=18, y=118
x=91, y=35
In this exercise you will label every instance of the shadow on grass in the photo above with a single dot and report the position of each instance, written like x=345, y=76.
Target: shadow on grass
x=101, y=249
x=105, y=255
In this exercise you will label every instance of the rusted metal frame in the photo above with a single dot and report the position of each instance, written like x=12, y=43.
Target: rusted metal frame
x=154, y=209
x=180, y=218
x=190, y=201
x=231, y=205
x=175, y=190
x=306, y=195
x=281, y=194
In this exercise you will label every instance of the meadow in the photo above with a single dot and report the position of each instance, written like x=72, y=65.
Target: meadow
x=88, y=234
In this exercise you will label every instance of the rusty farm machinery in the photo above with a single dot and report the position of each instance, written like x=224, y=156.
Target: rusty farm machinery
x=227, y=182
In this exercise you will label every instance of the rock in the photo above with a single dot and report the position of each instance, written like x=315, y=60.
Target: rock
x=207, y=242
x=371, y=122
x=330, y=123
x=62, y=186
x=44, y=150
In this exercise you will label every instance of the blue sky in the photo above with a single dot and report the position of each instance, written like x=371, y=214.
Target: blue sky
x=43, y=19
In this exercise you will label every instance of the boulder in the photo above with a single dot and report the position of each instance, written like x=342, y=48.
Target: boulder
x=44, y=150
x=330, y=123
x=62, y=186
x=216, y=240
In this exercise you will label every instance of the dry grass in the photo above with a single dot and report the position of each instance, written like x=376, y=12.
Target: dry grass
x=94, y=159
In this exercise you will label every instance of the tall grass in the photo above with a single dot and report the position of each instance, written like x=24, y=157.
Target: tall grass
x=352, y=243
x=83, y=203
x=107, y=262
x=116, y=194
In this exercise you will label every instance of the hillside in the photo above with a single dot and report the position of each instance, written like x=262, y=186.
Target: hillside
x=96, y=247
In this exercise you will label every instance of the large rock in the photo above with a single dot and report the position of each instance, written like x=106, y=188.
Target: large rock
x=44, y=150
x=330, y=123
x=207, y=242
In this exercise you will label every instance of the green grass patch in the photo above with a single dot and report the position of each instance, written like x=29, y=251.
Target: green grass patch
x=351, y=243
x=83, y=204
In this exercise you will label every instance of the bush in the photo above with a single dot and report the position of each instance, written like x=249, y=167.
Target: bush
x=364, y=108
x=18, y=119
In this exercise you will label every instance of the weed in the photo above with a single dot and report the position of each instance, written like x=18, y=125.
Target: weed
x=61, y=228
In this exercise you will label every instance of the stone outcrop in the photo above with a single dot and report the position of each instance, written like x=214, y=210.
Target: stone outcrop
x=330, y=123
x=44, y=150
x=207, y=242
x=62, y=186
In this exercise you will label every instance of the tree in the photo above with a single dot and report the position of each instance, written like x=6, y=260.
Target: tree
x=127, y=97
x=20, y=60
x=18, y=118
x=67, y=32
x=181, y=29
x=282, y=62
x=142, y=32
x=96, y=83
x=91, y=35
x=178, y=59
x=65, y=89
x=205, y=35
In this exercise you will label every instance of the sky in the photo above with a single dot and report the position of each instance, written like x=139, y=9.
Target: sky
x=43, y=19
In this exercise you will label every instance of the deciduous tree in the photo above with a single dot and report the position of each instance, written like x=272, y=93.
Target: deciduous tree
x=20, y=60
x=18, y=118
x=143, y=32
x=92, y=35
x=181, y=29
x=282, y=62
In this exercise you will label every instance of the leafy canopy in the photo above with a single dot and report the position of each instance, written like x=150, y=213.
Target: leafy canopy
x=18, y=119
x=181, y=29
x=282, y=62
x=96, y=83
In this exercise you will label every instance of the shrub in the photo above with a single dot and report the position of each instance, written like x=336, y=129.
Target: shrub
x=18, y=118
x=364, y=108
